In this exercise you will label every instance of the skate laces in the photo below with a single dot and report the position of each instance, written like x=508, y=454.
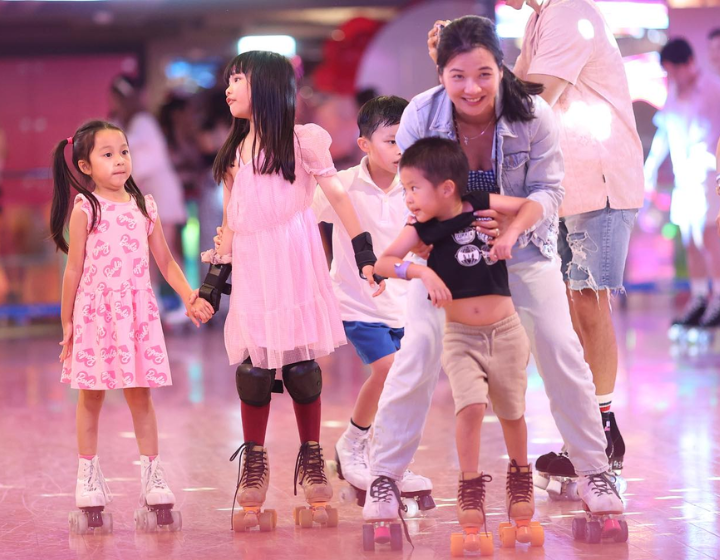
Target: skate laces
x=519, y=484
x=156, y=476
x=251, y=470
x=471, y=494
x=94, y=480
x=602, y=483
x=382, y=490
x=310, y=465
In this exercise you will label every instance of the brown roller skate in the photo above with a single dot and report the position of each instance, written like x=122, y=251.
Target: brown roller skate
x=310, y=473
x=252, y=486
x=520, y=503
x=475, y=537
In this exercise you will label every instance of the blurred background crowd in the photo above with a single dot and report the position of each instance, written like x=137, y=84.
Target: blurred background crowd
x=155, y=67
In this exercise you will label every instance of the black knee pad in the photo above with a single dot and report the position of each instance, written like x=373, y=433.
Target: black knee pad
x=254, y=384
x=303, y=380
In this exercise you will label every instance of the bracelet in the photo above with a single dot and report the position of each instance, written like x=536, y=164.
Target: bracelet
x=401, y=269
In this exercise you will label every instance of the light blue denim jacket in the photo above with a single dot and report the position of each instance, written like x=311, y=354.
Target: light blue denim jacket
x=529, y=161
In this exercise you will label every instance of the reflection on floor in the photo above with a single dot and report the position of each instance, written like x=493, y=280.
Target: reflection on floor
x=666, y=404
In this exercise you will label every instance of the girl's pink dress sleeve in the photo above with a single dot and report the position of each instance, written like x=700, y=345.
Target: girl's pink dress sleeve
x=152, y=211
x=315, y=150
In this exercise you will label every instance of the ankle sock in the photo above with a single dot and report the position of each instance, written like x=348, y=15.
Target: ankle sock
x=364, y=429
x=86, y=457
x=604, y=402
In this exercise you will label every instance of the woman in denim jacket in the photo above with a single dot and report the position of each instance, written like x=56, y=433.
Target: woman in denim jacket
x=509, y=136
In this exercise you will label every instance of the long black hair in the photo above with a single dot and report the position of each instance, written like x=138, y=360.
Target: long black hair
x=273, y=92
x=470, y=32
x=82, y=143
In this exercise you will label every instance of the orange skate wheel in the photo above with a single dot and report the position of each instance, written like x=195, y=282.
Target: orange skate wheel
x=508, y=535
x=305, y=518
x=333, y=518
x=238, y=522
x=537, y=534
x=296, y=514
x=265, y=520
x=457, y=545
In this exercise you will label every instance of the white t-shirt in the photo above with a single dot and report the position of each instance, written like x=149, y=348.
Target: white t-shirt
x=383, y=215
x=153, y=170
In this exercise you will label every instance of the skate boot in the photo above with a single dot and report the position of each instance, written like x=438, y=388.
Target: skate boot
x=615, y=449
x=555, y=473
x=709, y=323
x=252, y=486
x=416, y=493
x=381, y=512
x=688, y=319
x=475, y=537
x=91, y=496
x=351, y=464
x=603, y=510
x=156, y=499
x=520, y=504
x=310, y=473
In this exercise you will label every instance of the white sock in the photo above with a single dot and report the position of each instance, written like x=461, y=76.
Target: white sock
x=604, y=402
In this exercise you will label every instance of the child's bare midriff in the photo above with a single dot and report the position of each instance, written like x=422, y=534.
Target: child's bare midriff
x=480, y=310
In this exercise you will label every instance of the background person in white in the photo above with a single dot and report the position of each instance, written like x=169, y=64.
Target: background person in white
x=688, y=130
x=373, y=321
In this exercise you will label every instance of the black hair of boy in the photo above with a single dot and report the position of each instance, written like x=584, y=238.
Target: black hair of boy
x=384, y=110
x=438, y=159
x=676, y=51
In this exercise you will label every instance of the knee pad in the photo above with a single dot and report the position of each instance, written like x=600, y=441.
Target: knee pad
x=254, y=385
x=303, y=381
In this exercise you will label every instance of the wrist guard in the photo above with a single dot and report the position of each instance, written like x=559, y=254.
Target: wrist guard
x=215, y=284
x=364, y=255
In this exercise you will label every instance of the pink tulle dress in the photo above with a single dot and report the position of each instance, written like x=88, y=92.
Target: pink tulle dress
x=118, y=340
x=282, y=307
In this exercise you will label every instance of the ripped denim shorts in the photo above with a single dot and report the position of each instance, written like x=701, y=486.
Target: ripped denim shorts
x=593, y=247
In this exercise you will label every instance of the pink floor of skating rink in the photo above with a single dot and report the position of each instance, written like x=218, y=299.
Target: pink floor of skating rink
x=666, y=404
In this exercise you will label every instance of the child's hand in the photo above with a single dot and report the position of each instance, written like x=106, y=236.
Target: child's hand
x=369, y=274
x=218, y=238
x=67, y=341
x=439, y=293
x=502, y=246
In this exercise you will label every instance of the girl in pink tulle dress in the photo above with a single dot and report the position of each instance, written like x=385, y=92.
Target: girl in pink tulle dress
x=283, y=313
x=112, y=338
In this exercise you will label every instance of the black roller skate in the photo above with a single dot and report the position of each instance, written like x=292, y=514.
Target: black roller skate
x=688, y=321
x=555, y=473
x=615, y=449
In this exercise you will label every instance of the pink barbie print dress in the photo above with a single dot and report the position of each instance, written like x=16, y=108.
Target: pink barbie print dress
x=118, y=340
x=282, y=307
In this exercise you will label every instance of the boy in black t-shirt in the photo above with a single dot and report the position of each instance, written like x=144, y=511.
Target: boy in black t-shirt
x=485, y=349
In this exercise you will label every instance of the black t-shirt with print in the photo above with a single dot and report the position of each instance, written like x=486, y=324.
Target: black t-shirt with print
x=458, y=255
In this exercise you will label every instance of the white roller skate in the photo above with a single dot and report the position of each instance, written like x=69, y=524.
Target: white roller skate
x=603, y=510
x=310, y=473
x=156, y=500
x=91, y=496
x=351, y=464
x=416, y=493
x=381, y=512
x=252, y=486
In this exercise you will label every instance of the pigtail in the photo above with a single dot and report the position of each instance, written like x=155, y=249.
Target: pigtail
x=63, y=180
x=132, y=188
x=517, y=97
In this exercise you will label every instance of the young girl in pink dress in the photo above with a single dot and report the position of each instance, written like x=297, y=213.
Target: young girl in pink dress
x=283, y=313
x=112, y=338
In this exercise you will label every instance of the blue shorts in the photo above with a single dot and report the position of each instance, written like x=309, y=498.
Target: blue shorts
x=373, y=341
x=594, y=246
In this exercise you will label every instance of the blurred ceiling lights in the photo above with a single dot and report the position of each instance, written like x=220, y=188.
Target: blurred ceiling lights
x=281, y=44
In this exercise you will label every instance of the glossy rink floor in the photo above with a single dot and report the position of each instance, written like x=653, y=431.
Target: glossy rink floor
x=666, y=404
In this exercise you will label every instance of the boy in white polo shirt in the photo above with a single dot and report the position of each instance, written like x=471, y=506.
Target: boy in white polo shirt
x=373, y=321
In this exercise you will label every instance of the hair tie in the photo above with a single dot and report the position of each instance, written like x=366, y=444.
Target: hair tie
x=70, y=140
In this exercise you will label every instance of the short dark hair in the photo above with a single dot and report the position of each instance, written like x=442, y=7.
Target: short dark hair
x=438, y=159
x=714, y=34
x=676, y=51
x=385, y=110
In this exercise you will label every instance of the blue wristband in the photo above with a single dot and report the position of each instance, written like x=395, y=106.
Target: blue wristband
x=401, y=269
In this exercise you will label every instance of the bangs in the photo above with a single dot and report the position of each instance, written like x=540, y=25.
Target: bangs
x=239, y=65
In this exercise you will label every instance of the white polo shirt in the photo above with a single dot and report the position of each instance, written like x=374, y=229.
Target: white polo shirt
x=383, y=214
